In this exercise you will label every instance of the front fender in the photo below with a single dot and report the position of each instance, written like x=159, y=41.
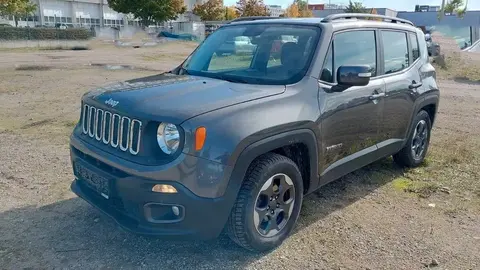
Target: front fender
x=247, y=154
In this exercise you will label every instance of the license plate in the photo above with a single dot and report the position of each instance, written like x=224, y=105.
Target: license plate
x=95, y=181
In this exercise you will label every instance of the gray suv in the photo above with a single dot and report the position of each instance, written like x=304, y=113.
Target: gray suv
x=234, y=142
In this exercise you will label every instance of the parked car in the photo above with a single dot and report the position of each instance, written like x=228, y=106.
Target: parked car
x=61, y=26
x=236, y=146
x=475, y=47
x=239, y=44
x=433, y=47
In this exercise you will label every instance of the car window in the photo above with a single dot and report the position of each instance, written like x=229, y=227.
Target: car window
x=395, y=51
x=255, y=53
x=415, y=46
x=355, y=48
x=232, y=54
x=327, y=70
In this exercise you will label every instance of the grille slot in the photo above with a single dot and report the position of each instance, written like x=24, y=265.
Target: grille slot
x=112, y=129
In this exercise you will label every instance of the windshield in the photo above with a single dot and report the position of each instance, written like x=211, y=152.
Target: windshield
x=255, y=53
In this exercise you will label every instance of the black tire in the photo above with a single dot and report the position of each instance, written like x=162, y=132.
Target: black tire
x=240, y=226
x=406, y=156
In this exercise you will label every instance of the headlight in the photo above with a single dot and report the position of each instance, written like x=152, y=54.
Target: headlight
x=168, y=138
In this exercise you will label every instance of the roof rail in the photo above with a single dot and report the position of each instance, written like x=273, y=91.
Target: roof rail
x=365, y=16
x=253, y=18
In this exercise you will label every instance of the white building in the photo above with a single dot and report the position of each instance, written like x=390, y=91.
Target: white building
x=275, y=10
x=83, y=13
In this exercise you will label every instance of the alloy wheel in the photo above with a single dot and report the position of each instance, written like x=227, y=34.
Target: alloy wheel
x=274, y=205
x=420, y=139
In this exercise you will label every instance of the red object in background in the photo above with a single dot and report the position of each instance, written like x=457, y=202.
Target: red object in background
x=316, y=6
x=276, y=46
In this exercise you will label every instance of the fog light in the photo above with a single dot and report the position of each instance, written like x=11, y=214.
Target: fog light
x=164, y=189
x=175, y=210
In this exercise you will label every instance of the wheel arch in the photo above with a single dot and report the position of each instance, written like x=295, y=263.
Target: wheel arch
x=428, y=103
x=287, y=143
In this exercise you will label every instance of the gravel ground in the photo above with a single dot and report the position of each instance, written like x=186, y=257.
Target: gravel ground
x=365, y=220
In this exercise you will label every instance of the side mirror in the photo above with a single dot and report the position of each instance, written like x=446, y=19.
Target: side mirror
x=353, y=76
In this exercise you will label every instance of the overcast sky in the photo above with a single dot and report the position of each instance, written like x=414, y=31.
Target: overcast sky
x=399, y=5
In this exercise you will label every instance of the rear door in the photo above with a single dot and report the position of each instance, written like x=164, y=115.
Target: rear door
x=401, y=68
x=350, y=120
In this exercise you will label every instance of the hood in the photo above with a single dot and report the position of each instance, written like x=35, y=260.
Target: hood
x=176, y=98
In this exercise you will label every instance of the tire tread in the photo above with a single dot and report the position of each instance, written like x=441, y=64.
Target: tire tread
x=235, y=226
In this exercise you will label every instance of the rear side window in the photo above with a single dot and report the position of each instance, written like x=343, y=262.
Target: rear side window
x=415, y=47
x=351, y=48
x=395, y=49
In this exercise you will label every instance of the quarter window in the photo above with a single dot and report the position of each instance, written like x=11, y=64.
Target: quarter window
x=327, y=71
x=395, y=51
x=415, y=46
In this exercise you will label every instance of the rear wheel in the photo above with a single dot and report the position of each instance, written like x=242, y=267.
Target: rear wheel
x=414, y=152
x=268, y=204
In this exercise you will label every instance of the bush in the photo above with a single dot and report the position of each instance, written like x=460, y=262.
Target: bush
x=15, y=33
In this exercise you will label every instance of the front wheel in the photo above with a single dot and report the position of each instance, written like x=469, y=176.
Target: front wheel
x=414, y=152
x=268, y=204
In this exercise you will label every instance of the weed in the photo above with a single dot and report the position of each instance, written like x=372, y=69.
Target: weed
x=70, y=124
x=423, y=189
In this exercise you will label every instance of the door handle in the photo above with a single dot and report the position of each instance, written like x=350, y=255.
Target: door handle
x=376, y=96
x=414, y=85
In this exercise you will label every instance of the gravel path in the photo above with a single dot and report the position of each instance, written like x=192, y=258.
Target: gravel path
x=359, y=222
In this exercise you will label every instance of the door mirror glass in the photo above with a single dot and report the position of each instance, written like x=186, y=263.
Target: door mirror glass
x=353, y=75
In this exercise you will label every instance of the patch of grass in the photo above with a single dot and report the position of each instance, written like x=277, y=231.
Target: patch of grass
x=33, y=67
x=423, y=189
x=70, y=124
x=456, y=151
x=457, y=66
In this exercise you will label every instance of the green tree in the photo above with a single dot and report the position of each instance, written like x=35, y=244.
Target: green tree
x=454, y=6
x=356, y=7
x=212, y=10
x=246, y=8
x=17, y=8
x=149, y=11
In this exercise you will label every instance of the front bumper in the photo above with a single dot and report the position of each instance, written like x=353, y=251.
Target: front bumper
x=136, y=208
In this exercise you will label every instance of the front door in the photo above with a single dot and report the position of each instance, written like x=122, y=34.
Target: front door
x=350, y=121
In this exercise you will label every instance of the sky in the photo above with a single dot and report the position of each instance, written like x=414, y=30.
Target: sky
x=399, y=5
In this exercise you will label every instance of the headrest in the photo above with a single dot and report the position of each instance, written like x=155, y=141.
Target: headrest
x=291, y=54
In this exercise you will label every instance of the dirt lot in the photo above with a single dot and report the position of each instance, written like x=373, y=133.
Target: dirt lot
x=381, y=217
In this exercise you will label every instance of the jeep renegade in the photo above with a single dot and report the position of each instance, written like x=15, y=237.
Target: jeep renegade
x=235, y=140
